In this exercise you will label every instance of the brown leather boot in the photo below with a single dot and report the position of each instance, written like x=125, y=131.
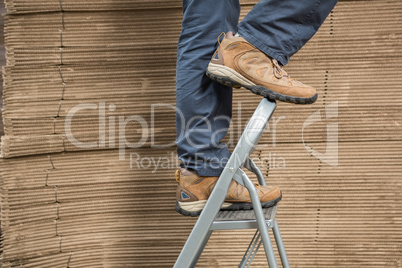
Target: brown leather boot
x=193, y=191
x=237, y=63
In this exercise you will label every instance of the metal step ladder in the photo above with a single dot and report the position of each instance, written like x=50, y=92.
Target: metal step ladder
x=262, y=219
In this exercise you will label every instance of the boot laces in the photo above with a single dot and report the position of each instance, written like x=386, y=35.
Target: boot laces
x=279, y=72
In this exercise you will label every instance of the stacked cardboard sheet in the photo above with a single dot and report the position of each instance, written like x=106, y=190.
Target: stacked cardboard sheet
x=82, y=64
x=2, y=61
x=21, y=6
x=89, y=79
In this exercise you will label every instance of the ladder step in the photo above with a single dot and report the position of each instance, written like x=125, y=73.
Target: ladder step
x=242, y=219
x=227, y=215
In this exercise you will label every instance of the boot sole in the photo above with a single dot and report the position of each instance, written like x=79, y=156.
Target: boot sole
x=234, y=79
x=233, y=207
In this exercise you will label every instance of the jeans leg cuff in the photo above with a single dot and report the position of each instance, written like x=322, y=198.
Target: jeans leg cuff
x=263, y=47
x=209, y=172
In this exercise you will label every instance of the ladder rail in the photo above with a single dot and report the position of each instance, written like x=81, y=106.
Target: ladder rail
x=280, y=246
x=252, y=166
x=203, y=244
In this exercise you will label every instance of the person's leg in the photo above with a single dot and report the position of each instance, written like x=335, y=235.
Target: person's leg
x=204, y=107
x=279, y=28
x=204, y=111
x=272, y=32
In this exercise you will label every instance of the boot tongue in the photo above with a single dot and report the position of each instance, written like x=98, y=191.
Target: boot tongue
x=186, y=172
x=234, y=42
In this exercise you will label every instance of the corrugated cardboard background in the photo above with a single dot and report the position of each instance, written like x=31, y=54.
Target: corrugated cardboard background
x=66, y=206
x=2, y=60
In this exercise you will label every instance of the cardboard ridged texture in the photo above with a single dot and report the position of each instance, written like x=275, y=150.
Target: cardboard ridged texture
x=34, y=6
x=84, y=81
x=322, y=207
x=74, y=195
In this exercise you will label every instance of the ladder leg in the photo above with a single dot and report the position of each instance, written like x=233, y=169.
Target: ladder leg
x=269, y=251
x=281, y=247
x=262, y=225
x=203, y=244
x=251, y=249
x=258, y=243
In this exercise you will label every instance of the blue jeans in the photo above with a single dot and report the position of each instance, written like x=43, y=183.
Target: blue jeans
x=279, y=28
